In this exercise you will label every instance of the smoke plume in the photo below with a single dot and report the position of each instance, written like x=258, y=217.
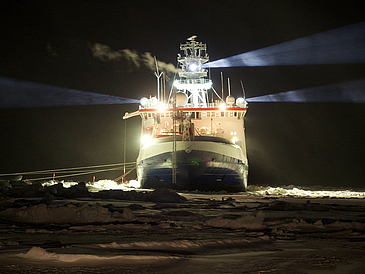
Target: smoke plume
x=134, y=59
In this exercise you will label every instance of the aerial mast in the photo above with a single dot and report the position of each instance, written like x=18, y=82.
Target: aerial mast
x=158, y=76
x=193, y=76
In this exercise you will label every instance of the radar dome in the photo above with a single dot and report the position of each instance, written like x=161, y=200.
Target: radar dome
x=181, y=99
x=230, y=100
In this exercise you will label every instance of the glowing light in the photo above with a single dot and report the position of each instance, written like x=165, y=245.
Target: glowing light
x=161, y=107
x=350, y=92
x=234, y=139
x=189, y=86
x=147, y=140
x=143, y=102
x=23, y=94
x=193, y=67
x=222, y=106
x=338, y=46
x=241, y=102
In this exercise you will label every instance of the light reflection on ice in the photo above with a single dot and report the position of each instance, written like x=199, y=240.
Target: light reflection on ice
x=315, y=192
x=99, y=185
x=67, y=184
x=38, y=253
x=297, y=192
x=107, y=185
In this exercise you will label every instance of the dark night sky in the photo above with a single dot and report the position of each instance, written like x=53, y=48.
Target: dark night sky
x=288, y=143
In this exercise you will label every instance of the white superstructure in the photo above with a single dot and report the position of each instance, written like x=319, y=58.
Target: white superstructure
x=194, y=139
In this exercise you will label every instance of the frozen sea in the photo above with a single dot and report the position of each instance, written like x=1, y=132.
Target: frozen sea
x=264, y=230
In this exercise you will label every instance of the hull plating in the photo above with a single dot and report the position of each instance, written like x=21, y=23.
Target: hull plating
x=195, y=170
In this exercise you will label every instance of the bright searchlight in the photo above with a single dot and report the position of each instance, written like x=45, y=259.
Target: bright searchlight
x=161, y=107
x=193, y=67
x=143, y=102
x=147, y=140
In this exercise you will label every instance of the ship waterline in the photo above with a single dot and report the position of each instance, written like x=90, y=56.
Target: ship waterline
x=200, y=165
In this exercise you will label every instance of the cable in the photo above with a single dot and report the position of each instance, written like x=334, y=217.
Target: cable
x=125, y=174
x=66, y=170
x=74, y=175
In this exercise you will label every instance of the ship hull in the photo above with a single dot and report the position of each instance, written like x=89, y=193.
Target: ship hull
x=200, y=165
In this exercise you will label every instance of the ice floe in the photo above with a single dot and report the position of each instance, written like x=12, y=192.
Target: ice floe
x=83, y=213
x=298, y=192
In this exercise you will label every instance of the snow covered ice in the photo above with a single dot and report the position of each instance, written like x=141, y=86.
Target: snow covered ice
x=107, y=228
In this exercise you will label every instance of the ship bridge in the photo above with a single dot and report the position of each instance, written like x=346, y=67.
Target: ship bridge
x=193, y=80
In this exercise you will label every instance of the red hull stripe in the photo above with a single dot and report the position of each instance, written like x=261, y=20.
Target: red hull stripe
x=192, y=109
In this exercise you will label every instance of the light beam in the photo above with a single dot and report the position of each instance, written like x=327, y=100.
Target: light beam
x=339, y=46
x=23, y=94
x=348, y=92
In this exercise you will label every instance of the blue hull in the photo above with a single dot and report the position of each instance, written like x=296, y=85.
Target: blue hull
x=197, y=170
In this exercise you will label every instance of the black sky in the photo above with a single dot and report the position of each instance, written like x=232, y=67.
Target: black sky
x=293, y=143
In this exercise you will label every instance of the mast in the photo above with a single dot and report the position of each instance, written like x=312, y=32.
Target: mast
x=243, y=90
x=158, y=76
x=222, y=84
x=193, y=81
x=173, y=158
x=125, y=148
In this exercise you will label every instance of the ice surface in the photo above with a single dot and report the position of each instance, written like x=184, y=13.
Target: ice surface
x=98, y=185
x=297, y=192
x=246, y=221
x=266, y=229
x=40, y=254
x=83, y=213
x=287, y=191
x=66, y=184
